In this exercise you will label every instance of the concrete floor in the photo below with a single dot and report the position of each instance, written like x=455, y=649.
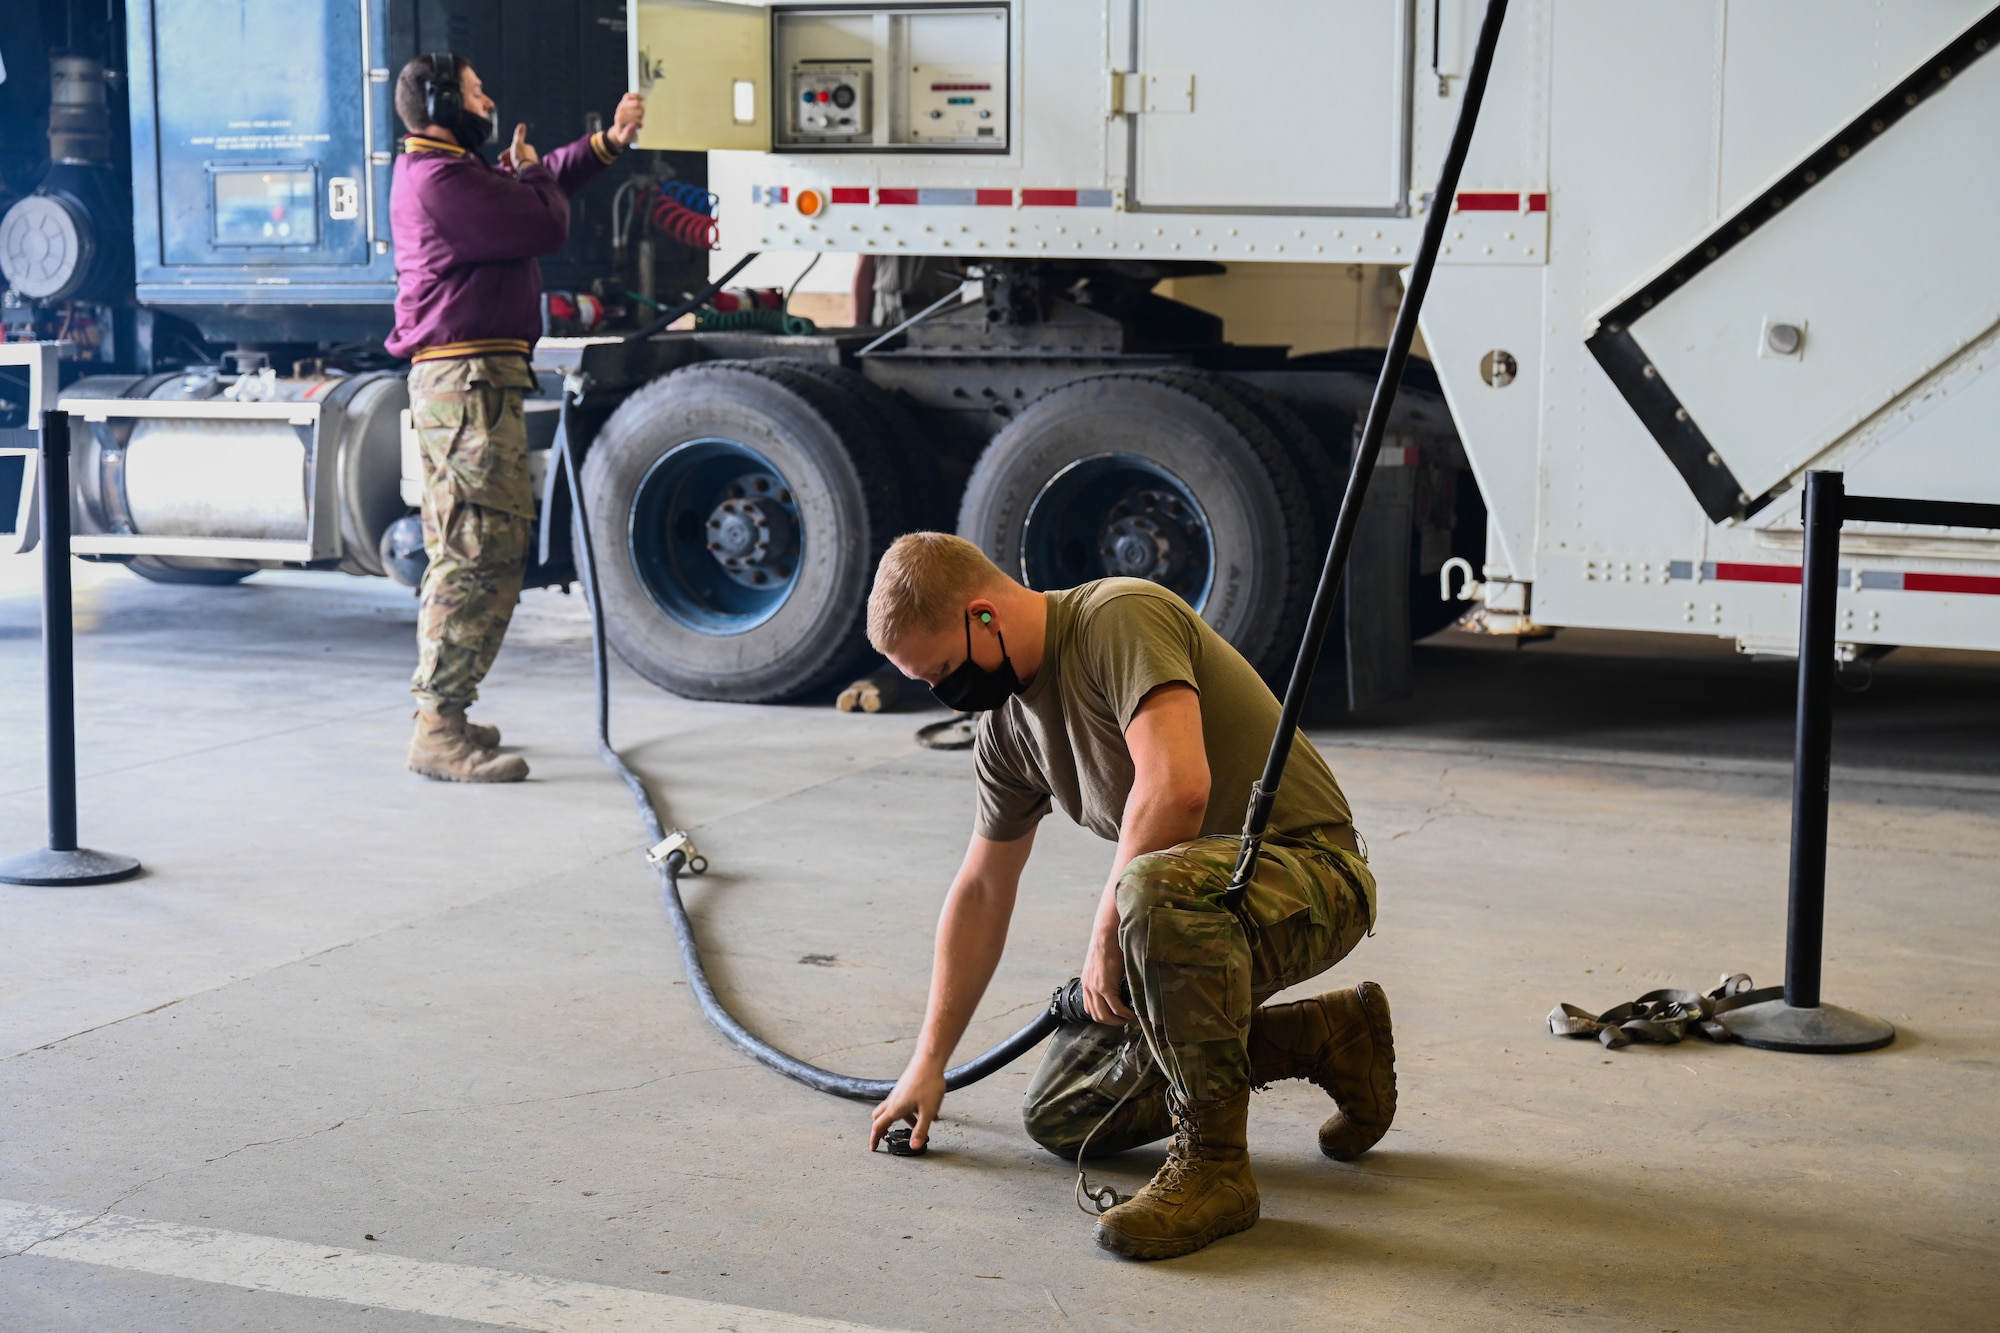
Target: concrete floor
x=365, y=1052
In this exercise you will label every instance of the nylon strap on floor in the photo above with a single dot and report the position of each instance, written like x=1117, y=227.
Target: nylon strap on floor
x=1663, y=1016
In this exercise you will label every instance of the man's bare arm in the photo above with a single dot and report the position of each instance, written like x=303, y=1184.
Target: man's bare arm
x=1169, y=797
x=972, y=932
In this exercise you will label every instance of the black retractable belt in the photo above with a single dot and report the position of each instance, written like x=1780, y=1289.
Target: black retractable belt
x=1264, y=794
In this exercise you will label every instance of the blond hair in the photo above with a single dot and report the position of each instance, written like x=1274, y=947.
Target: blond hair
x=924, y=580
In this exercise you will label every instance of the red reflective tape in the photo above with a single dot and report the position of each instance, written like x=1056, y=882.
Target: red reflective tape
x=850, y=194
x=1727, y=573
x=1538, y=203
x=895, y=196
x=784, y=194
x=996, y=198
x=1489, y=203
x=1981, y=584
x=1048, y=198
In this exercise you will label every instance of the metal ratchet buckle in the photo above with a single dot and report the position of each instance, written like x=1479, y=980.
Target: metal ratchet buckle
x=678, y=841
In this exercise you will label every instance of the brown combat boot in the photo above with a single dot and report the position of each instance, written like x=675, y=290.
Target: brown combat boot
x=479, y=733
x=442, y=749
x=1342, y=1042
x=482, y=734
x=1203, y=1193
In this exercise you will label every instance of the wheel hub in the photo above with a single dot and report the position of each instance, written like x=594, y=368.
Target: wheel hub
x=753, y=531
x=1148, y=534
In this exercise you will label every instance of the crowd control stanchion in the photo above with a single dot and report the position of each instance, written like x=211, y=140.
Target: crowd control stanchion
x=62, y=862
x=1800, y=1021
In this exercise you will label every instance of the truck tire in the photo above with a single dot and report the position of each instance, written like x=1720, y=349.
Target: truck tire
x=919, y=483
x=1324, y=478
x=738, y=509
x=1159, y=474
x=201, y=573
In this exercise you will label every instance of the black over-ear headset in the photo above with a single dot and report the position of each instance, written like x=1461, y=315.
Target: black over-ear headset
x=444, y=95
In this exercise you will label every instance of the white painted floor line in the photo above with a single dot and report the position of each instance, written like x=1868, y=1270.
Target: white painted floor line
x=371, y=1278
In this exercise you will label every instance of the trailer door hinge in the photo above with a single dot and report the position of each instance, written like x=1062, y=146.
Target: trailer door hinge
x=1121, y=92
x=1131, y=92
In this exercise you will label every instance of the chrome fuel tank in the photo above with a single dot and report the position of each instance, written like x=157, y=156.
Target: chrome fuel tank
x=238, y=471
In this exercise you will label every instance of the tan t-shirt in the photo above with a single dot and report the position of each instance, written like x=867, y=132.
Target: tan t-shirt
x=1109, y=644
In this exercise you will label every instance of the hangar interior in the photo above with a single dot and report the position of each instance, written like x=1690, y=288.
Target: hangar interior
x=316, y=1021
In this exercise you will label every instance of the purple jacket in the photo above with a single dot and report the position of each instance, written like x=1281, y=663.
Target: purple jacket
x=467, y=234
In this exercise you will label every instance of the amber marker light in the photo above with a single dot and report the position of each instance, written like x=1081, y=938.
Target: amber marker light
x=811, y=203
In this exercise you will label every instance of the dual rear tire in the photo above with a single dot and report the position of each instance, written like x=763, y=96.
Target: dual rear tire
x=1202, y=484
x=737, y=510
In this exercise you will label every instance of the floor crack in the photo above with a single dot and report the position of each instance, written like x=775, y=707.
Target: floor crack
x=1433, y=812
x=89, y=1222
x=105, y=1211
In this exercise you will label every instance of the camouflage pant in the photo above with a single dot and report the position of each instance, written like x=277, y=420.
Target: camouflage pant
x=1197, y=975
x=478, y=508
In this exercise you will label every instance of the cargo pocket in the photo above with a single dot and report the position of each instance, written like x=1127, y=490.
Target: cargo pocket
x=1290, y=925
x=1288, y=951
x=439, y=424
x=1196, y=985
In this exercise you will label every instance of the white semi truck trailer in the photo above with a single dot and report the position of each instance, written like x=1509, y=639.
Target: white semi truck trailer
x=1698, y=250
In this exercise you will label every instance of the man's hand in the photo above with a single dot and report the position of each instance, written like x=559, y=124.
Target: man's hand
x=971, y=933
x=627, y=120
x=519, y=155
x=916, y=1099
x=1103, y=970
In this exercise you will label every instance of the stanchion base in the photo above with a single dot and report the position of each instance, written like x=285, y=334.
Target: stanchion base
x=1827, y=1030
x=57, y=869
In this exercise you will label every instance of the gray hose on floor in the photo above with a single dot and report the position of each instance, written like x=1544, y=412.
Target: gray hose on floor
x=1064, y=1006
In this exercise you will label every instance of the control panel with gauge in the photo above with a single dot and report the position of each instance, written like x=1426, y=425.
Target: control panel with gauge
x=831, y=101
x=958, y=104
x=866, y=78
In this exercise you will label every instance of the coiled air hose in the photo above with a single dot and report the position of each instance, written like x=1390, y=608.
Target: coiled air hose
x=757, y=321
x=686, y=213
x=670, y=860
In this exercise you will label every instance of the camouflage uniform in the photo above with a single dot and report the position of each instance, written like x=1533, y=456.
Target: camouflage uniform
x=1196, y=976
x=478, y=509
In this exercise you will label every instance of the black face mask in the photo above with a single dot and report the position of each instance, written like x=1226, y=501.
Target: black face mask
x=972, y=688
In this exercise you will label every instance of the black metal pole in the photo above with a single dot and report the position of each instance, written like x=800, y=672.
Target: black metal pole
x=665, y=318
x=1812, y=758
x=1799, y=1021
x=62, y=861
x=1264, y=794
x=58, y=634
